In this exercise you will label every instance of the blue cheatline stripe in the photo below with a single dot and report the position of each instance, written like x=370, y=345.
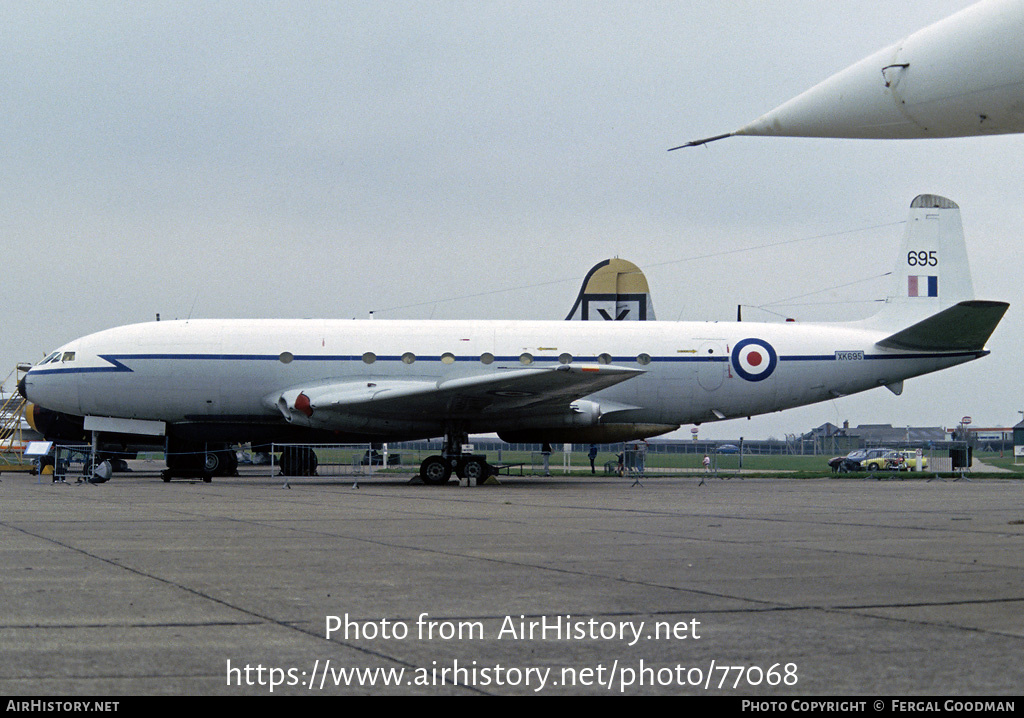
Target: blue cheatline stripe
x=117, y=361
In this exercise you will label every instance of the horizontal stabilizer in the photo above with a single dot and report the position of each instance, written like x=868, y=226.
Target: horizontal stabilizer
x=963, y=327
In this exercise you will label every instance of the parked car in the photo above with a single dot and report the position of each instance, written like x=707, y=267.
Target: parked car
x=856, y=460
x=895, y=461
x=728, y=449
x=844, y=464
x=890, y=460
x=911, y=460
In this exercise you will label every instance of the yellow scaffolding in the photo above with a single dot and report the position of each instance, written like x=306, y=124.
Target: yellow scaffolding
x=12, y=415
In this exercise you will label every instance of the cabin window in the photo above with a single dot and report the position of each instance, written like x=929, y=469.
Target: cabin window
x=643, y=359
x=486, y=358
x=286, y=357
x=408, y=357
x=604, y=358
x=526, y=358
x=564, y=358
x=447, y=358
x=369, y=357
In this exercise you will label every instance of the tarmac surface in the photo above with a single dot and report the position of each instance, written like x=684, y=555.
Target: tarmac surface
x=548, y=586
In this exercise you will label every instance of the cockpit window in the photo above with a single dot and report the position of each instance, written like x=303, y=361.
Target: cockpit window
x=68, y=356
x=51, y=358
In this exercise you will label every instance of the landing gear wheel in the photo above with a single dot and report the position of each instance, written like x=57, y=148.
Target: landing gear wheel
x=297, y=461
x=474, y=468
x=212, y=462
x=435, y=470
x=223, y=462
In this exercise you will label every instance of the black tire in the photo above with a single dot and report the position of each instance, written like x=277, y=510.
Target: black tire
x=228, y=465
x=212, y=462
x=474, y=468
x=298, y=461
x=222, y=462
x=435, y=470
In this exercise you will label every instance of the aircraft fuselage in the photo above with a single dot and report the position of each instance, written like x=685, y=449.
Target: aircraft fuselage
x=228, y=374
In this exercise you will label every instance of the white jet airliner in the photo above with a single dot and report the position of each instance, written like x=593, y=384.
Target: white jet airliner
x=262, y=380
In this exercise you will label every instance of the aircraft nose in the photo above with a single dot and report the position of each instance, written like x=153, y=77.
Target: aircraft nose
x=21, y=387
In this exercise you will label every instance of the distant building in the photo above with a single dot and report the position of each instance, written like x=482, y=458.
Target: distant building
x=828, y=439
x=886, y=434
x=1018, y=439
x=987, y=438
x=832, y=439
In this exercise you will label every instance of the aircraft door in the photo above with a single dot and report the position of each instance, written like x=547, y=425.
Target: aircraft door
x=675, y=399
x=712, y=364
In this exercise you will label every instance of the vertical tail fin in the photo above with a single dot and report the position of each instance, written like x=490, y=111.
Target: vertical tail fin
x=613, y=290
x=931, y=271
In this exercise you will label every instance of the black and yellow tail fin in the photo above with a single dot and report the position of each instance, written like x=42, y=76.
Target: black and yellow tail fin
x=613, y=290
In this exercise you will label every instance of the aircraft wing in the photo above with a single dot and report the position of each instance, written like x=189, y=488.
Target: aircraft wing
x=965, y=326
x=504, y=392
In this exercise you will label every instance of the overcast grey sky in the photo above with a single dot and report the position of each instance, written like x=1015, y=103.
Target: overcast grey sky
x=473, y=159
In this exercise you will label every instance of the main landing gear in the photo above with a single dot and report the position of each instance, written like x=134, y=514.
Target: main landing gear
x=437, y=470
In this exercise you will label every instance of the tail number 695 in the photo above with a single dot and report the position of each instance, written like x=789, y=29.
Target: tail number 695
x=923, y=258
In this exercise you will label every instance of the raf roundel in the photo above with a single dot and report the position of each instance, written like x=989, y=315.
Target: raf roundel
x=754, y=359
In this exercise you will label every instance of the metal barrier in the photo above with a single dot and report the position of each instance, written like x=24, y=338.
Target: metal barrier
x=65, y=461
x=325, y=460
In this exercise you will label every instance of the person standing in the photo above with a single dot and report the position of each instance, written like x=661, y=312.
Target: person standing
x=592, y=456
x=641, y=455
x=545, y=451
